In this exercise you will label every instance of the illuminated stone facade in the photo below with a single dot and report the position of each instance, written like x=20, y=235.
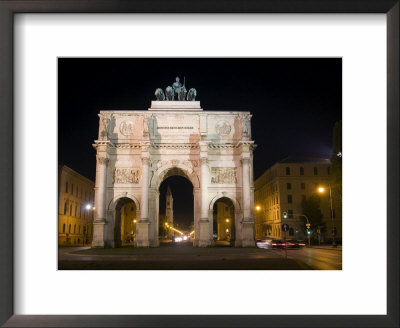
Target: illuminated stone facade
x=75, y=208
x=282, y=188
x=138, y=150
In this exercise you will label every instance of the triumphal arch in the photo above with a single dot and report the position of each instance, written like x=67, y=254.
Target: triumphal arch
x=138, y=149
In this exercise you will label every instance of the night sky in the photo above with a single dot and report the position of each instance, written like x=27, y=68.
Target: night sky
x=294, y=102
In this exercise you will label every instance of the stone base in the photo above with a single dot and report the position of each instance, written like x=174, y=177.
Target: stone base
x=238, y=243
x=154, y=243
x=98, y=233
x=175, y=105
x=205, y=239
x=248, y=234
x=142, y=237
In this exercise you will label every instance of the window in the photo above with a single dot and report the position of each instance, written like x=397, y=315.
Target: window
x=72, y=189
x=289, y=199
x=66, y=187
x=301, y=170
x=75, y=211
x=70, y=210
x=290, y=214
x=74, y=228
x=69, y=228
x=79, y=230
x=291, y=232
x=64, y=228
x=303, y=186
x=329, y=170
x=288, y=171
x=65, y=207
x=288, y=186
x=315, y=171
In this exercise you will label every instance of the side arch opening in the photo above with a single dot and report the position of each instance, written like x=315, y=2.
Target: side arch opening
x=125, y=222
x=224, y=229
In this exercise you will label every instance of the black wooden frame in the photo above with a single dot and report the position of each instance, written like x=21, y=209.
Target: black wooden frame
x=7, y=9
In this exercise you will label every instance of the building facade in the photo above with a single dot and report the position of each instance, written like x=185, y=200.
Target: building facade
x=137, y=150
x=75, y=208
x=282, y=188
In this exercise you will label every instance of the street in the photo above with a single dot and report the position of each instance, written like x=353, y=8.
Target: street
x=186, y=257
x=318, y=258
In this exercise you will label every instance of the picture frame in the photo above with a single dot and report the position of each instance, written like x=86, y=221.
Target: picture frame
x=7, y=10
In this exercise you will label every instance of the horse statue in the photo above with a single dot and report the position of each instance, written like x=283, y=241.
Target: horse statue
x=191, y=95
x=169, y=91
x=159, y=94
x=182, y=93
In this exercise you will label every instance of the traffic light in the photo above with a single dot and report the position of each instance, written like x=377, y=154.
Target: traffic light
x=308, y=225
x=308, y=232
x=284, y=215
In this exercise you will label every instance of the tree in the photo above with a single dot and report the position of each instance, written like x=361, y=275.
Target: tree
x=336, y=161
x=311, y=208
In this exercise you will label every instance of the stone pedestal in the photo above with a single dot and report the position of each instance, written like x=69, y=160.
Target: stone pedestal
x=248, y=234
x=98, y=233
x=238, y=243
x=142, y=236
x=205, y=239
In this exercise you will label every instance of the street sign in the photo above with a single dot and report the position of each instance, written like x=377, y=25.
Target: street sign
x=285, y=227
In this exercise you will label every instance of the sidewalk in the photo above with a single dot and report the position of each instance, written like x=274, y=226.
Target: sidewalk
x=326, y=247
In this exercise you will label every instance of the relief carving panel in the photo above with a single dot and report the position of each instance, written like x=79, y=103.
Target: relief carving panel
x=123, y=175
x=223, y=175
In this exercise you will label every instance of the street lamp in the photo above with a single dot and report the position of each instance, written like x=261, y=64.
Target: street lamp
x=88, y=207
x=322, y=190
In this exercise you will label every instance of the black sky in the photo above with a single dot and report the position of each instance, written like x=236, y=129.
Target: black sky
x=294, y=102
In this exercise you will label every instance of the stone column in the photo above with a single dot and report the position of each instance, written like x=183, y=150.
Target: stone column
x=100, y=196
x=248, y=221
x=246, y=187
x=144, y=215
x=204, y=188
x=205, y=239
x=142, y=239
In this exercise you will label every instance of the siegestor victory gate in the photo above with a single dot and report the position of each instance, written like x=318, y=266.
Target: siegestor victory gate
x=138, y=149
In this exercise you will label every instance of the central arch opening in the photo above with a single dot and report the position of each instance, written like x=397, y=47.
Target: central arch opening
x=176, y=209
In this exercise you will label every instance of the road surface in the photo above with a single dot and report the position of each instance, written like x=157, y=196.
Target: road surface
x=186, y=257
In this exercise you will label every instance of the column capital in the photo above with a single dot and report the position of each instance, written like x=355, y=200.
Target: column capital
x=245, y=160
x=145, y=160
x=102, y=160
x=203, y=146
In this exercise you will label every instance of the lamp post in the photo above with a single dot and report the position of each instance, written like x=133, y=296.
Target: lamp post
x=308, y=225
x=321, y=190
x=89, y=208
